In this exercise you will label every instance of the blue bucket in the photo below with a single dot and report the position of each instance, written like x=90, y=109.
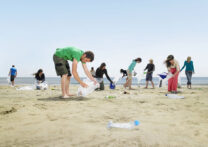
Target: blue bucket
x=112, y=86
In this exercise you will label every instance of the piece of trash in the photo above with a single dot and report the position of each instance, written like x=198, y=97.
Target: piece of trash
x=112, y=86
x=129, y=125
x=110, y=97
x=85, y=91
x=174, y=96
x=126, y=92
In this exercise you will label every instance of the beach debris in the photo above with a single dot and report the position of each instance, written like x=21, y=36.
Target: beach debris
x=110, y=97
x=85, y=91
x=174, y=96
x=129, y=125
x=12, y=110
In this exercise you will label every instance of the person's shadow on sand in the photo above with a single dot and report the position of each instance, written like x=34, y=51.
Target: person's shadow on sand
x=62, y=99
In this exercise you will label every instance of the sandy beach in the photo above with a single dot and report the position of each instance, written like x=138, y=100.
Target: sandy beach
x=41, y=118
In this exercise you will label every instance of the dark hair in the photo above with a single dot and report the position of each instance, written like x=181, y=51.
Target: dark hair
x=39, y=71
x=13, y=66
x=122, y=70
x=102, y=65
x=89, y=55
x=169, y=58
x=92, y=68
x=138, y=59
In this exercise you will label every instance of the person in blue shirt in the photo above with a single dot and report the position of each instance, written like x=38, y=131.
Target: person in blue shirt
x=189, y=70
x=12, y=74
x=129, y=73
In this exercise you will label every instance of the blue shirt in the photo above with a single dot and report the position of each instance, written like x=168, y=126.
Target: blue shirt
x=189, y=66
x=132, y=66
x=13, y=71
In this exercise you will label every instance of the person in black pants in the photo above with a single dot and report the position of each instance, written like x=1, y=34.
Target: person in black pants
x=150, y=69
x=99, y=75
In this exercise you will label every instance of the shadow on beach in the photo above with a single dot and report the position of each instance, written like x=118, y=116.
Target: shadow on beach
x=61, y=99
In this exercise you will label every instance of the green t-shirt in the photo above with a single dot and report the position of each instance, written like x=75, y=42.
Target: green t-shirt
x=69, y=53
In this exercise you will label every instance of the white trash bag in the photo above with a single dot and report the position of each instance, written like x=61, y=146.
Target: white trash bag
x=42, y=86
x=85, y=91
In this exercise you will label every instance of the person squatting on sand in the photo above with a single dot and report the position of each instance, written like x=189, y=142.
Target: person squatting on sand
x=129, y=72
x=39, y=76
x=12, y=74
x=174, y=68
x=100, y=71
x=188, y=71
x=62, y=66
x=150, y=69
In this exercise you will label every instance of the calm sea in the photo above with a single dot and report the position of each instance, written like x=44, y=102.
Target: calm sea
x=56, y=80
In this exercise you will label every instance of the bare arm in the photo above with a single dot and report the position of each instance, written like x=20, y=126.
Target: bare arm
x=75, y=74
x=89, y=75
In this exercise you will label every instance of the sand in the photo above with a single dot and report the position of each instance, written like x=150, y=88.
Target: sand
x=41, y=118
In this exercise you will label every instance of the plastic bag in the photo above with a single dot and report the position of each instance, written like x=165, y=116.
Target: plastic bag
x=42, y=86
x=85, y=91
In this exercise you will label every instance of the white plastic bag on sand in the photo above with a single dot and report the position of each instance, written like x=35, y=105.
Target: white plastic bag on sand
x=42, y=86
x=85, y=91
x=26, y=88
x=174, y=96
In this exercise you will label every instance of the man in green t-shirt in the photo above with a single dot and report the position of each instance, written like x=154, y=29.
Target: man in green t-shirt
x=62, y=66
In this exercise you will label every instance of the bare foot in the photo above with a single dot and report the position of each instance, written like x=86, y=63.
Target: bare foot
x=65, y=97
x=70, y=94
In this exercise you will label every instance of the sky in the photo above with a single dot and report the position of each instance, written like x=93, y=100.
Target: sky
x=117, y=31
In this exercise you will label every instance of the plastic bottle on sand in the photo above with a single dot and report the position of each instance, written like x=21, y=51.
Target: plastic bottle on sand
x=129, y=125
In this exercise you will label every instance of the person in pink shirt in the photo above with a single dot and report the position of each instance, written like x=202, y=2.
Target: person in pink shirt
x=174, y=69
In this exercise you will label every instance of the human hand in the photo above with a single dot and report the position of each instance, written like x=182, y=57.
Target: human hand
x=84, y=85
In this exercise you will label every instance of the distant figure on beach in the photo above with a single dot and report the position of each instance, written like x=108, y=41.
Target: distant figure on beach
x=12, y=74
x=129, y=72
x=62, y=66
x=92, y=71
x=124, y=72
x=40, y=76
x=100, y=71
x=189, y=70
x=150, y=69
x=174, y=69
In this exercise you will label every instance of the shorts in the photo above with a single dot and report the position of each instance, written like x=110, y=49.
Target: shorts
x=61, y=66
x=12, y=77
x=149, y=77
x=129, y=75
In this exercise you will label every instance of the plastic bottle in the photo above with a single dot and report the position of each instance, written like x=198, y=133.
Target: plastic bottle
x=129, y=125
x=110, y=97
x=174, y=96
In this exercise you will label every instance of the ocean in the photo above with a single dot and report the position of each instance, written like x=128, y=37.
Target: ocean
x=56, y=81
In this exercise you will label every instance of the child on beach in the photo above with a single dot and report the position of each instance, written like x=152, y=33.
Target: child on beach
x=174, y=69
x=62, y=66
x=124, y=72
x=92, y=71
x=99, y=75
x=12, y=74
x=150, y=69
x=189, y=70
x=129, y=73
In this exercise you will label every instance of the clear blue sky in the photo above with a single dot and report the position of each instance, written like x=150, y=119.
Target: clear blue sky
x=117, y=31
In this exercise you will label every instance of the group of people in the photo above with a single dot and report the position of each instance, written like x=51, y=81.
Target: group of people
x=75, y=55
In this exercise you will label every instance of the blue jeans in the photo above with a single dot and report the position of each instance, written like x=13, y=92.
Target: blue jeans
x=189, y=76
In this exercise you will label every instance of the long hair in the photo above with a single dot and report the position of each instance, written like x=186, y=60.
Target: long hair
x=169, y=58
x=102, y=65
x=38, y=72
